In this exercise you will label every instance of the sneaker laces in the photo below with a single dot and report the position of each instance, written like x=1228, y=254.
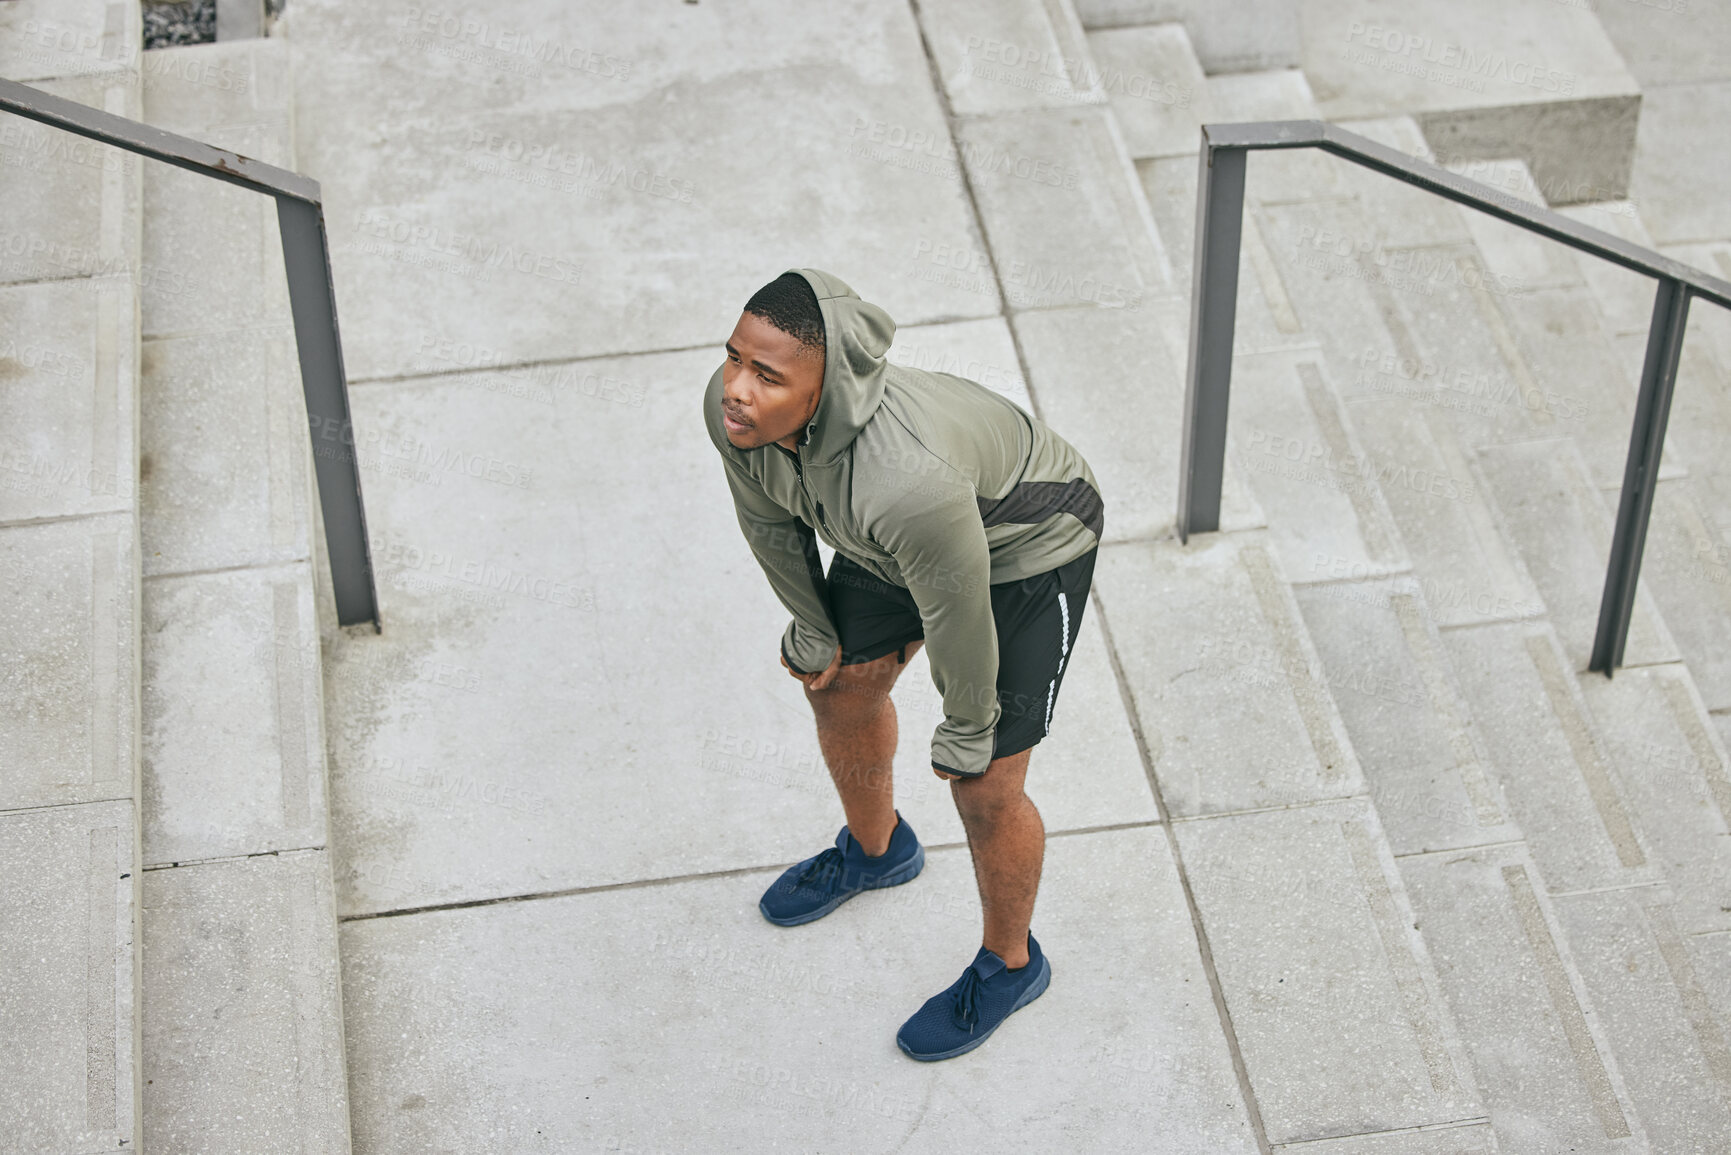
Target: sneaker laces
x=831, y=859
x=965, y=1003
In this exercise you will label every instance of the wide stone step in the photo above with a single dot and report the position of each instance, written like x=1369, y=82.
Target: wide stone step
x=242, y=1005
x=69, y=561
x=1248, y=37
x=1485, y=81
x=1549, y=1077
x=1559, y=522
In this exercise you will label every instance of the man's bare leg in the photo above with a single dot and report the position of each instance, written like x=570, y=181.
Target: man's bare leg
x=856, y=729
x=1008, y=843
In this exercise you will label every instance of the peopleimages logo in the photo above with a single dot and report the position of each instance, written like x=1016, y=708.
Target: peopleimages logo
x=1447, y=63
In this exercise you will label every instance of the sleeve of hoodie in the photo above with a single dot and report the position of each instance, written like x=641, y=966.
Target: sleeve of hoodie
x=786, y=548
x=940, y=546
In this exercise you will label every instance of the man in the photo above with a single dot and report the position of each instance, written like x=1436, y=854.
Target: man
x=958, y=519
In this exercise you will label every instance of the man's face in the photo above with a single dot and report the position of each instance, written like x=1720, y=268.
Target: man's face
x=770, y=384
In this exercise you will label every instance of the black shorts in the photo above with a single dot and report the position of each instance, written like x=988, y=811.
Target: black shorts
x=1038, y=620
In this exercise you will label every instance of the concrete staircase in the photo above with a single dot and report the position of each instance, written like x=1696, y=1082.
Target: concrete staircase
x=170, y=945
x=242, y=1024
x=1380, y=868
x=70, y=624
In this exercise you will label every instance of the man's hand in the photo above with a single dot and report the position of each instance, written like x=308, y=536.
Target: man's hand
x=821, y=679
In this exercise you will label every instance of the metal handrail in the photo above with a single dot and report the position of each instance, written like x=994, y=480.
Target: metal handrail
x=312, y=300
x=1214, y=307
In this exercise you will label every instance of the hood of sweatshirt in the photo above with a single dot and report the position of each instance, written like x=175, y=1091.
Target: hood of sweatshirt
x=856, y=335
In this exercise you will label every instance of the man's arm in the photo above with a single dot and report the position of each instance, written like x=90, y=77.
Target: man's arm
x=786, y=548
x=941, y=548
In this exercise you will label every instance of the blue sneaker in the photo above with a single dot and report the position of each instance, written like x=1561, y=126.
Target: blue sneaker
x=811, y=889
x=961, y=1018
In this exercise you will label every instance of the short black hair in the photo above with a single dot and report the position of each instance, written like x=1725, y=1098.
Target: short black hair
x=789, y=304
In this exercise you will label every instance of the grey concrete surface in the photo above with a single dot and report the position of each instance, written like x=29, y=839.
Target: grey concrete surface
x=242, y=1031
x=242, y=1015
x=1075, y=232
x=1484, y=81
x=69, y=899
x=476, y=196
x=1549, y=1076
x=1679, y=185
x=1428, y=766
x=42, y=39
x=1315, y=941
x=1258, y=35
x=69, y=638
x=675, y=1049
x=1686, y=567
x=234, y=759
x=1563, y=529
x=567, y=709
x=1669, y=1040
x=69, y=409
x=1002, y=57
x=1226, y=684
x=1156, y=86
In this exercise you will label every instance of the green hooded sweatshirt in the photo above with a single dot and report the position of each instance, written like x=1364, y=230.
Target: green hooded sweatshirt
x=931, y=482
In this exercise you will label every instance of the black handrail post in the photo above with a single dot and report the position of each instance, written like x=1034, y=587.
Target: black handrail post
x=312, y=300
x=1213, y=316
x=1641, y=472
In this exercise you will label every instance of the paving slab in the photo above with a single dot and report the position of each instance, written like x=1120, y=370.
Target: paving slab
x=72, y=203
x=1156, y=86
x=1428, y=766
x=226, y=477
x=1673, y=770
x=1108, y=381
x=1678, y=184
x=1266, y=318
x=1259, y=34
x=242, y=1015
x=1483, y=81
x=1625, y=297
x=1587, y=390
x=1562, y=528
x=1319, y=488
x=40, y=39
x=1231, y=696
x=69, y=1078
x=216, y=249
x=1549, y=1076
x=1700, y=421
x=234, y=753
x=1686, y=567
x=1331, y=988
x=1669, y=43
x=1009, y=56
x=1274, y=94
x=982, y=351
x=1513, y=254
x=69, y=405
x=1463, y=558
x=513, y=612
x=1072, y=227
x=1670, y=1042
x=478, y=177
x=69, y=645
x=546, y=1023
x=1550, y=757
x=1402, y=216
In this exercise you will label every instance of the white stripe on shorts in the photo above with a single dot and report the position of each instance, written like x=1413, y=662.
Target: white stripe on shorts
x=1063, y=652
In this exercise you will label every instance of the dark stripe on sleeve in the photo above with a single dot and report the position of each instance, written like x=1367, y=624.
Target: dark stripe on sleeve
x=1035, y=501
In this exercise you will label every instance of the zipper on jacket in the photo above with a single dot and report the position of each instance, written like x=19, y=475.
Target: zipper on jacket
x=796, y=468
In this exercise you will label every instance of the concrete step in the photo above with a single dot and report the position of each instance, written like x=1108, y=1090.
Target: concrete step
x=1549, y=1075
x=1011, y=55
x=1062, y=211
x=69, y=561
x=1485, y=81
x=1249, y=37
x=1559, y=522
x=239, y=892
